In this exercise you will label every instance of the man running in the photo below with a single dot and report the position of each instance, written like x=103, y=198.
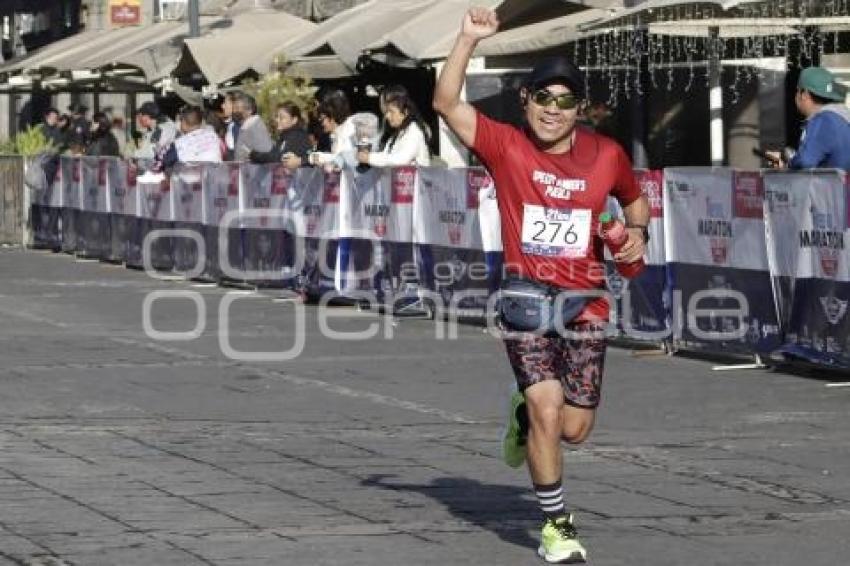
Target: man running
x=552, y=181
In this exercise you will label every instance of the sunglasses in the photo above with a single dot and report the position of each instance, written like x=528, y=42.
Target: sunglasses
x=565, y=101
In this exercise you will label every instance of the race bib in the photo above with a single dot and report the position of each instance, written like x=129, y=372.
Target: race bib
x=555, y=232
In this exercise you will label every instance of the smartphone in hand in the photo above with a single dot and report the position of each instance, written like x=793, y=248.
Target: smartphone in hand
x=763, y=154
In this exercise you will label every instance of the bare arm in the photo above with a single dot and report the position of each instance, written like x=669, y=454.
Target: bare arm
x=478, y=23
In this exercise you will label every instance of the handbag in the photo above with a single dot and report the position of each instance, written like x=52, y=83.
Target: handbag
x=35, y=175
x=530, y=306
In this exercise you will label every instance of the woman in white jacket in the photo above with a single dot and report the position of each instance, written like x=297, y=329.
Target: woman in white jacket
x=403, y=143
x=335, y=119
x=405, y=139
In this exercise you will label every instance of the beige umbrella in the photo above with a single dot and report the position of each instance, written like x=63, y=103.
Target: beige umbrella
x=153, y=49
x=348, y=33
x=319, y=67
x=524, y=39
x=442, y=22
x=46, y=57
x=315, y=9
x=248, y=43
x=528, y=25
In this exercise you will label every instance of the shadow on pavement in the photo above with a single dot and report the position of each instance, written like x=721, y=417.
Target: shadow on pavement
x=505, y=510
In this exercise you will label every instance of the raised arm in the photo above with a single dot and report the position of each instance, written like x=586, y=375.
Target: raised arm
x=478, y=23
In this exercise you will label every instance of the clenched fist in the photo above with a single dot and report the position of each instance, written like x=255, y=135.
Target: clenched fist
x=479, y=23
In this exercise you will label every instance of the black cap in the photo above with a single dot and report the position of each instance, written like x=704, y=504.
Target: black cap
x=149, y=109
x=78, y=108
x=556, y=70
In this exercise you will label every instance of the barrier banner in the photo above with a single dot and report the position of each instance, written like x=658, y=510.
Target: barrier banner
x=338, y=247
x=379, y=221
x=71, y=200
x=646, y=298
x=768, y=249
x=380, y=203
x=806, y=217
x=448, y=235
x=46, y=209
x=220, y=193
x=186, y=186
x=313, y=204
x=397, y=267
x=715, y=249
x=156, y=212
x=94, y=230
x=267, y=247
x=480, y=182
x=353, y=267
x=123, y=200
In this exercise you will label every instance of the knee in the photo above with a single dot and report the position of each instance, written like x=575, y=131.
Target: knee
x=576, y=431
x=544, y=418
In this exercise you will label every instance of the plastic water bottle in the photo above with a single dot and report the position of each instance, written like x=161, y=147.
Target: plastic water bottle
x=613, y=233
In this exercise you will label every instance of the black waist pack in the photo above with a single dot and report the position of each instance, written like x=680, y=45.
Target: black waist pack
x=531, y=306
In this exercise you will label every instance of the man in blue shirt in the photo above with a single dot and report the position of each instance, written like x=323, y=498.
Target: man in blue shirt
x=825, y=141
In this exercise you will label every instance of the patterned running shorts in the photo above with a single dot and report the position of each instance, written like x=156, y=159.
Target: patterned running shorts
x=576, y=361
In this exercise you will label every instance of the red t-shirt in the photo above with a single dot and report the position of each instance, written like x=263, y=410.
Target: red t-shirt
x=549, y=204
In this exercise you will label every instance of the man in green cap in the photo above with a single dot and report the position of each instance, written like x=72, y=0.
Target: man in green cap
x=825, y=141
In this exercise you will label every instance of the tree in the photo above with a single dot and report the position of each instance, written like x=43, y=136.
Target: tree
x=277, y=86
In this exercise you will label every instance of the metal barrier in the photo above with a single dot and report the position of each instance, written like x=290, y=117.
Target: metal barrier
x=714, y=281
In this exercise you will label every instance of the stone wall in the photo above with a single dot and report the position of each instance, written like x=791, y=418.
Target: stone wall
x=11, y=200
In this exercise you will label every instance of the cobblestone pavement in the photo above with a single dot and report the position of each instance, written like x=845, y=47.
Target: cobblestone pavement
x=122, y=450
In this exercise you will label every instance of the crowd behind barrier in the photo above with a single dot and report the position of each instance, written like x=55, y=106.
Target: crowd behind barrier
x=738, y=261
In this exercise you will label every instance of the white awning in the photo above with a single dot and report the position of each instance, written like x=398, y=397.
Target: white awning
x=617, y=16
x=636, y=6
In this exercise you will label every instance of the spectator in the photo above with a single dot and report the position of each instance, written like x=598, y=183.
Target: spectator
x=335, y=119
x=197, y=144
x=214, y=122
x=103, y=142
x=403, y=141
x=53, y=134
x=230, y=125
x=252, y=134
x=594, y=114
x=52, y=131
x=78, y=128
x=825, y=141
x=600, y=118
x=158, y=132
x=119, y=130
x=319, y=139
x=293, y=143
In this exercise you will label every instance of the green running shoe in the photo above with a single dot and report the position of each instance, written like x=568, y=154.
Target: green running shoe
x=513, y=436
x=559, y=542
